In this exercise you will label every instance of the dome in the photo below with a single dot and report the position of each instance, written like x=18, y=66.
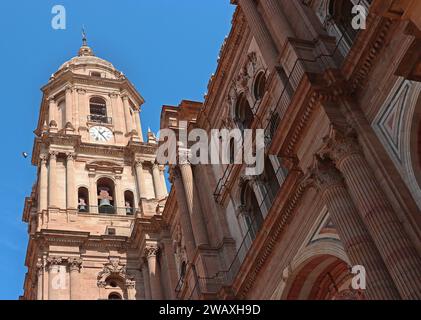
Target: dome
x=86, y=62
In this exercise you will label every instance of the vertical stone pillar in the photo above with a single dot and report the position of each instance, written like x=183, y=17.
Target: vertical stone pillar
x=394, y=245
x=163, y=182
x=52, y=106
x=55, y=281
x=140, y=179
x=131, y=289
x=52, y=180
x=119, y=197
x=40, y=280
x=193, y=205
x=278, y=21
x=127, y=115
x=71, y=192
x=260, y=32
x=356, y=239
x=69, y=103
x=138, y=124
x=146, y=283
x=170, y=267
x=74, y=269
x=185, y=221
x=43, y=184
x=93, y=194
x=159, y=194
x=83, y=112
x=151, y=252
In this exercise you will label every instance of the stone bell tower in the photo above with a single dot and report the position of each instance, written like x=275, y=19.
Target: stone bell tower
x=97, y=179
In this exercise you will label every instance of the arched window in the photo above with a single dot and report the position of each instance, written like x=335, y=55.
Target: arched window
x=251, y=210
x=270, y=181
x=129, y=202
x=105, y=187
x=341, y=13
x=83, y=199
x=259, y=88
x=114, y=296
x=98, y=110
x=243, y=113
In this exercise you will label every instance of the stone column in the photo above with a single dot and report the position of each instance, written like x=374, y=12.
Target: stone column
x=43, y=184
x=93, y=194
x=140, y=179
x=119, y=197
x=146, y=283
x=163, y=182
x=357, y=241
x=74, y=269
x=55, y=282
x=159, y=194
x=193, y=205
x=52, y=180
x=82, y=110
x=260, y=32
x=138, y=124
x=40, y=280
x=396, y=249
x=52, y=106
x=69, y=102
x=278, y=21
x=131, y=289
x=71, y=191
x=127, y=115
x=151, y=252
x=185, y=221
x=170, y=266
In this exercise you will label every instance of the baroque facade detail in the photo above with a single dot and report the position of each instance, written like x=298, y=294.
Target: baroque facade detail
x=340, y=185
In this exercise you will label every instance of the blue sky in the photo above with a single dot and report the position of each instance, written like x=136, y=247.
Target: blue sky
x=167, y=48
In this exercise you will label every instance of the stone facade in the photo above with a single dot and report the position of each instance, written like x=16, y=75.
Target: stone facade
x=340, y=109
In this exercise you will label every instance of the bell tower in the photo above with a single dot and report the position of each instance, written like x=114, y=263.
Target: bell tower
x=97, y=179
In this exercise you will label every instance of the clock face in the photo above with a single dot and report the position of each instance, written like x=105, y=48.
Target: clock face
x=100, y=134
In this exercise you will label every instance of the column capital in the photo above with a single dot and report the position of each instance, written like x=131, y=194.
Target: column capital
x=130, y=284
x=70, y=156
x=113, y=95
x=54, y=261
x=340, y=144
x=125, y=96
x=81, y=91
x=75, y=264
x=53, y=155
x=69, y=88
x=43, y=158
x=324, y=174
x=151, y=250
x=155, y=166
x=138, y=163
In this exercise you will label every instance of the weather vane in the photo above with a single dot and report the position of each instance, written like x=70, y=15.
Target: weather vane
x=84, y=36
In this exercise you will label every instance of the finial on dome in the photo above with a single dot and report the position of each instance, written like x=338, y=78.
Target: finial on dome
x=84, y=41
x=85, y=50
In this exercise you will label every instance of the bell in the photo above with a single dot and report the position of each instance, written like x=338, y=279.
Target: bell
x=104, y=203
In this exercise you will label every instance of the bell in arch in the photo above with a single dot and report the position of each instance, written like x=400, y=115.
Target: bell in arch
x=104, y=197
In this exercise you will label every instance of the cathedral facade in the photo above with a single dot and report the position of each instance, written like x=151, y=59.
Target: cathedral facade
x=339, y=197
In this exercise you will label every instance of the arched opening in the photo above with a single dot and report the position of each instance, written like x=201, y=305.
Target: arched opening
x=251, y=210
x=270, y=181
x=106, y=194
x=98, y=110
x=341, y=13
x=322, y=277
x=243, y=113
x=259, y=87
x=83, y=199
x=129, y=202
x=114, y=296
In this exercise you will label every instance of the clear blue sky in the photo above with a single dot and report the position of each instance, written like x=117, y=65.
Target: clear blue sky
x=167, y=48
